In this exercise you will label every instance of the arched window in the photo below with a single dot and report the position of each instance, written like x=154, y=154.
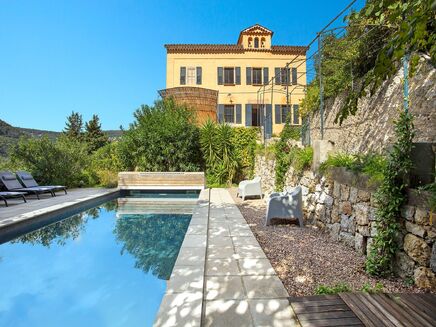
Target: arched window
x=262, y=42
x=250, y=42
x=256, y=42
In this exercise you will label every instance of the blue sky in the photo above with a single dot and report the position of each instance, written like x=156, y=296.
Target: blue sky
x=107, y=57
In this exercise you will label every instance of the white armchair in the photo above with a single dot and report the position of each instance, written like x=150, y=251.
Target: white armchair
x=250, y=188
x=286, y=205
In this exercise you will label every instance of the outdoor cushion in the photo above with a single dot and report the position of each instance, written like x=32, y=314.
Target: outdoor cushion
x=29, y=182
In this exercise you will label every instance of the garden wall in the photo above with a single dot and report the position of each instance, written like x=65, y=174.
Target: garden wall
x=371, y=129
x=343, y=205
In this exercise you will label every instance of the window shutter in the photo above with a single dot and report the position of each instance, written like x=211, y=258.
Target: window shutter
x=220, y=76
x=221, y=113
x=265, y=75
x=248, y=74
x=296, y=115
x=238, y=113
x=277, y=73
x=182, y=75
x=248, y=113
x=198, y=75
x=238, y=75
x=294, y=76
x=278, y=114
x=288, y=76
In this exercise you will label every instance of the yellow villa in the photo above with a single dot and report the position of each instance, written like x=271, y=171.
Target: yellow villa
x=242, y=73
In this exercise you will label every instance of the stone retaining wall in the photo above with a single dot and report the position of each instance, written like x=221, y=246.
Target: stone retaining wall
x=343, y=205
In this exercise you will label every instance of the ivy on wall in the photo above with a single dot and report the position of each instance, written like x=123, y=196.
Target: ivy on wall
x=390, y=196
x=287, y=155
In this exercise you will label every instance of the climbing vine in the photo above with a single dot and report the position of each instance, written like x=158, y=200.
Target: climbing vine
x=390, y=196
x=377, y=38
x=287, y=155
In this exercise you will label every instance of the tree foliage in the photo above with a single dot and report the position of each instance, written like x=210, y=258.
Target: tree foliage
x=154, y=240
x=74, y=126
x=63, y=161
x=163, y=137
x=94, y=136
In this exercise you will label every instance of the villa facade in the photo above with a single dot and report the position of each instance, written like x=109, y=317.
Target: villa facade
x=242, y=73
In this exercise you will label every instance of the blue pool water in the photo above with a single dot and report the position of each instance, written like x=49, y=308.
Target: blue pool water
x=91, y=269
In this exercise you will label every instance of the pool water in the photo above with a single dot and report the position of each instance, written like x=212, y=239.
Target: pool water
x=91, y=269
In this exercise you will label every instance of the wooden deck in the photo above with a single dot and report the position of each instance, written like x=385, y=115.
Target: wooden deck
x=362, y=309
x=323, y=310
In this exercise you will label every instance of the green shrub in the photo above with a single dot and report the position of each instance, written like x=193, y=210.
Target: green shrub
x=337, y=160
x=343, y=288
x=335, y=289
x=244, y=141
x=371, y=164
x=61, y=162
x=105, y=165
x=368, y=288
x=287, y=155
x=163, y=137
x=302, y=159
x=268, y=151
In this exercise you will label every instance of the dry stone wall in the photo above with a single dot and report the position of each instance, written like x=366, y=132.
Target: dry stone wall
x=371, y=128
x=343, y=205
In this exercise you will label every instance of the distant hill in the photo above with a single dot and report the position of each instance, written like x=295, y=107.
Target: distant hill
x=9, y=135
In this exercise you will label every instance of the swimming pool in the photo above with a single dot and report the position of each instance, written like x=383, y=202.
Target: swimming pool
x=99, y=267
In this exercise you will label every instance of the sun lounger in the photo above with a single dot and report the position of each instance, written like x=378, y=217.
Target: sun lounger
x=28, y=181
x=12, y=184
x=287, y=205
x=11, y=195
x=251, y=187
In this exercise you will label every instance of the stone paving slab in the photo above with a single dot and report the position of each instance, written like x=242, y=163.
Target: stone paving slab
x=182, y=303
x=222, y=276
x=242, y=288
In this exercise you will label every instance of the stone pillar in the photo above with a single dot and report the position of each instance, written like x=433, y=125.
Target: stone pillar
x=321, y=149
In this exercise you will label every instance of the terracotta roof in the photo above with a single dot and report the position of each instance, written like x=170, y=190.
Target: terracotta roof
x=232, y=48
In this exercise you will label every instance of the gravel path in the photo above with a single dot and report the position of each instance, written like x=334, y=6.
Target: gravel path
x=307, y=257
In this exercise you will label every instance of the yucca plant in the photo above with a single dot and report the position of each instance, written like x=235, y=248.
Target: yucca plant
x=219, y=153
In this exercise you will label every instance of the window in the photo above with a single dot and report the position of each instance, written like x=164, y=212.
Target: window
x=285, y=112
x=284, y=76
x=262, y=42
x=255, y=115
x=191, y=78
x=229, y=75
x=229, y=113
x=190, y=75
x=250, y=42
x=182, y=75
x=256, y=42
x=257, y=76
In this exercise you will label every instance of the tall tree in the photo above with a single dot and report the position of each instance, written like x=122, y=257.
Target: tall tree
x=94, y=136
x=74, y=126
